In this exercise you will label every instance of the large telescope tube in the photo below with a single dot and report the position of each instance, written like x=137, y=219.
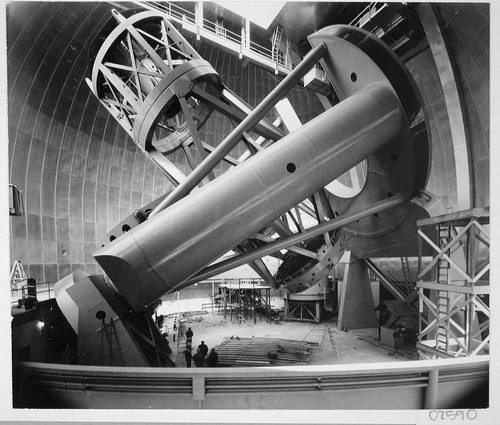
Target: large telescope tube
x=157, y=256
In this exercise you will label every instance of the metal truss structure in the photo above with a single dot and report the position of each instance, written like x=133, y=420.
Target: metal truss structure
x=245, y=299
x=155, y=84
x=454, y=287
x=304, y=311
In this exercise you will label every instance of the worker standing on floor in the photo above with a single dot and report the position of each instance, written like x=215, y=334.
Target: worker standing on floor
x=213, y=358
x=399, y=335
x=198, y=358
x=203, y=349
x=188, y=356
x=189, y=336
x=181, y=331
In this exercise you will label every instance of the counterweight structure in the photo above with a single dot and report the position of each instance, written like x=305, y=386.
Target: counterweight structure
x=162, y=93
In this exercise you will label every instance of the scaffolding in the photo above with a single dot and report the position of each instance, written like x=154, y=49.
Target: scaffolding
x=245, y=299
x=454, y=312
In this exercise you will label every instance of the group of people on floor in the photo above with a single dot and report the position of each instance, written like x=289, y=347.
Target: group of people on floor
x=201, y=358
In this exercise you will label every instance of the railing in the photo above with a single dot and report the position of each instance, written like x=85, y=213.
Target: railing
x=429, y=384
x=236, y=281
x=226, y=37
x=367, y=14
x=44, y=291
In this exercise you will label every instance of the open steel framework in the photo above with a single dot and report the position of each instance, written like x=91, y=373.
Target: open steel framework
x=453, y=304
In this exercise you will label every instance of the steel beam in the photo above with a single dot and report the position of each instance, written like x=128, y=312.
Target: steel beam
x=385, y=281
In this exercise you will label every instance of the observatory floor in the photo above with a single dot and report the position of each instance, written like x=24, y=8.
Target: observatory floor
x=357, y=346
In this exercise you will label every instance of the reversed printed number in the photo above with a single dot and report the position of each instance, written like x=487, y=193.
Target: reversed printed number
x=470, y=415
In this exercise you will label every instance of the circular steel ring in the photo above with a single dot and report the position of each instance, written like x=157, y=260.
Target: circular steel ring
x=116, y=36
x=355, y=59
x=163, y=97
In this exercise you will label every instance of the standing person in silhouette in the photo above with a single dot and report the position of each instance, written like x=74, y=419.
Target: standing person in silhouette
x=181, y=331
x=213, y=358
x=399, y=335
x=189, y=336
x=188, y=356
x=198, y=358
x=203, y=349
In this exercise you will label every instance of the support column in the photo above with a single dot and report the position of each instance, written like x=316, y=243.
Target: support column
x=198, y=17
x=243, y=41
x=431, y=391
x=225, y=302
x=247, y=34
x=357, y=309
x=213, y=296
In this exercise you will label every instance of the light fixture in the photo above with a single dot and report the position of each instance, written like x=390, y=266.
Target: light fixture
x=40, y=324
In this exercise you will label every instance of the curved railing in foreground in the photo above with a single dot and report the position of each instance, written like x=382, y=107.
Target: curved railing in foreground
x=425, y=384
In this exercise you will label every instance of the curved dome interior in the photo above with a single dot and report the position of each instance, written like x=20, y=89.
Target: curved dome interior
x=81, y=174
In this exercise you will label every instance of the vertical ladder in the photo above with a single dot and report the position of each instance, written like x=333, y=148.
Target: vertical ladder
x=443, y=264
x=400, y=286
x=409, y=285
x=442, y=310
x=276, y=41
x=443, y=301
x=106, y=341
